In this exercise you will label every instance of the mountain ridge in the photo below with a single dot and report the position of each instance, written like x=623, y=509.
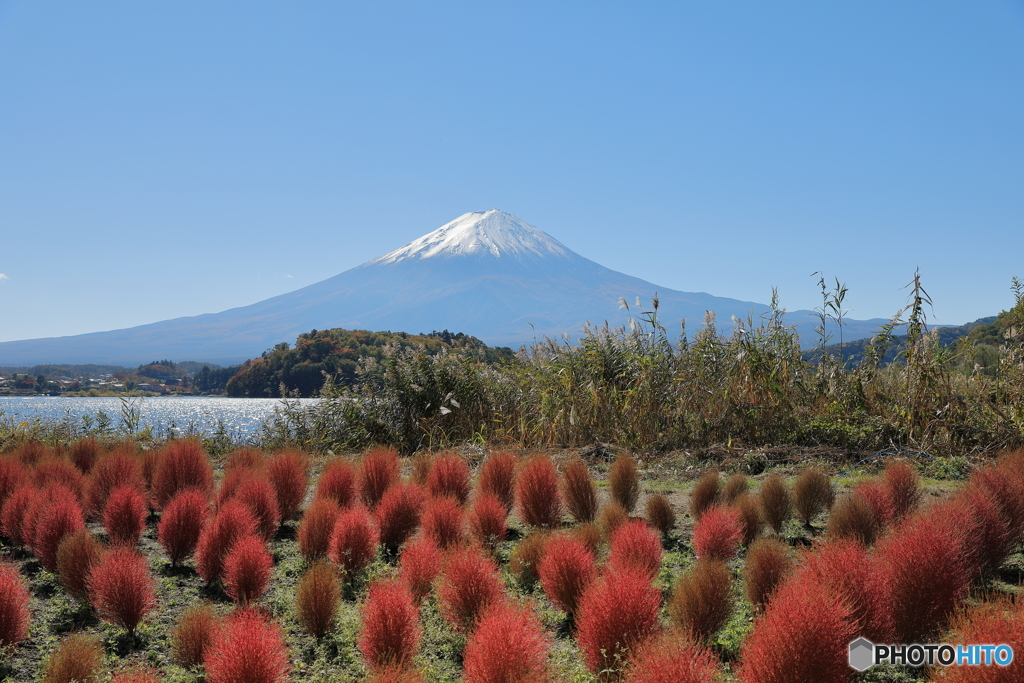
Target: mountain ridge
x=487, y=274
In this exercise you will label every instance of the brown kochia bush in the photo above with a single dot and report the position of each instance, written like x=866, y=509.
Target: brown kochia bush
x=378, y=471
x=578, y=491
x=624, y=482
x=76, y=556
x=701, y=601
x=316, y=598
x=768, y=562
x=316, y=528
x=288, y=473
x=498, y=477
x=84, y=453
x=540, y=503
x=853, y=518
x=78, y=658
x=526, y=557
x=734, y=487
x=749, y=513
x=136, y=674
x=611, y=517
x=775, y=503
x=706, y=492
x=121, y=589
x=194, y=633
x=449, y=477
x=182, y=523
x=660, y=514
x=904, y=492
x=184, y=465
x=812, y=494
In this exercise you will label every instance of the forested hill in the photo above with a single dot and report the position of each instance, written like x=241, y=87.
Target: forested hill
x=301, y=370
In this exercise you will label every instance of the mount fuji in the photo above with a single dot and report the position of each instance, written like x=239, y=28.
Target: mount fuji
x=488, y=274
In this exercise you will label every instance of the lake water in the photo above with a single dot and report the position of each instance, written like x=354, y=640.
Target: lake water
x=241, y=416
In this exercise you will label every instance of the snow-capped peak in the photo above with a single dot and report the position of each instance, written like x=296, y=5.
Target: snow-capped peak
x=495, y=232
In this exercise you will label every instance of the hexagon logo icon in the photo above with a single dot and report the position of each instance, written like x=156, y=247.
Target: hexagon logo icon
x=862, y=654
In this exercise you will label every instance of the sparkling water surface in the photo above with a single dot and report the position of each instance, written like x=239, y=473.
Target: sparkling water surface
x=241, y=417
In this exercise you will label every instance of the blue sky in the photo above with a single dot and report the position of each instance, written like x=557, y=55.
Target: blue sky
x=159, y=160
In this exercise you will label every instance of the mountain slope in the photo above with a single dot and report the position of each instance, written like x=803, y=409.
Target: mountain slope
x=487, y=274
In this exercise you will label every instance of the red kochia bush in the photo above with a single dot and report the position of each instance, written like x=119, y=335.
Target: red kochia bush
x=245, y=458
x=257, y=494
x=616, y=615
x=566, y=571
x=288, y=473
x=232, y=480
x=487, y=519
x=671, y=658
x=60, y=471
x=540, y=504
x=398, y=514
x=391, y=631
x=498, y=476
x=353, y=541
x=1008, y=491
x=114, y=469
x=846, y=569
x=248, y=649
x=84, y=453
x=12, y=515
x=449, y=476
x=718, y=533
x=470, y=584
x=635, y=545
x=184, y=465
x=338, y=482
x=125, y=516
x=316, y=528
x=509, y=644
x=443, y=522
x=12, y=477
x=14, y=615
x=232, y=522
x=579, y=492
x=803, y=637
x=58, y=516
x=316, y=598
x=419, y=565
x=996, y=621
x=378, y=471
x=194, y=634
x=991, y=543
x=77, y=554
x=247, y=570
x=925, y=573
x=181, y=524
x=121, y=589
